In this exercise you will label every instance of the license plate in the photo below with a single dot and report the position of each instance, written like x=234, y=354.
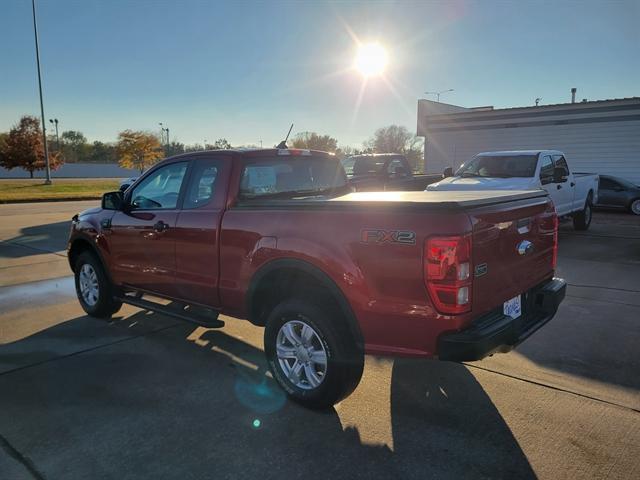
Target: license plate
x=513, y=307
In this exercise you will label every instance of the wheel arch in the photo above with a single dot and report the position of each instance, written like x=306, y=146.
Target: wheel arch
x=83, y=244
x=264, y=290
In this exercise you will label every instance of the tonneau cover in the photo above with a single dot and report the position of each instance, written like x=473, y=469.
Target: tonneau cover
x=459, y=199
x=427, y=200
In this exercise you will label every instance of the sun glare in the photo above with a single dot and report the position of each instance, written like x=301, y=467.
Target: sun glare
x=371, y=59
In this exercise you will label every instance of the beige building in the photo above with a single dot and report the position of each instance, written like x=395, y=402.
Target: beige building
x=597, y=136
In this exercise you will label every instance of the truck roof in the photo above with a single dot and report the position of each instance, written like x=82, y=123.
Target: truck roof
x=515, y=153
x=258, y=152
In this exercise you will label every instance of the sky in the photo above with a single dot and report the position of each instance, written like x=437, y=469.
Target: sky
x=246, y=70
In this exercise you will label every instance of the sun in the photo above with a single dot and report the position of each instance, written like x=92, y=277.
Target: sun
x=371, y=59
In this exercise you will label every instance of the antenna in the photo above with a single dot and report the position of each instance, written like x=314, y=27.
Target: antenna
x=283, y=144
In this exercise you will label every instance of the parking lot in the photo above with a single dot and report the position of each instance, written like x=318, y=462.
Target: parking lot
x=146, y=396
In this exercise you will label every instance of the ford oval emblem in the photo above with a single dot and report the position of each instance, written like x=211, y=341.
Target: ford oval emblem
x=525, y=247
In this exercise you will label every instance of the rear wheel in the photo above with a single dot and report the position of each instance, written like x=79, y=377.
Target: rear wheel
x=582, y=219
x=311, y=353
x=95, y=291
x=635, y=207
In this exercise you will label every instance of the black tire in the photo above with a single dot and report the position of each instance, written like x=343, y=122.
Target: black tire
x=105, y=305
x=582, y=219
x=344, y=360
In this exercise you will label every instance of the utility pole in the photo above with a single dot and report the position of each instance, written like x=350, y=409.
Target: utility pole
x=437, y=94
x=55, y=121
x=44, y=128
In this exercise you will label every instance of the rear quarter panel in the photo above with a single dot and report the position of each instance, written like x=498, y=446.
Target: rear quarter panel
x=383, y=282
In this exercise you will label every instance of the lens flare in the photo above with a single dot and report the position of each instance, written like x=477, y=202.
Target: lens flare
x=371, y=59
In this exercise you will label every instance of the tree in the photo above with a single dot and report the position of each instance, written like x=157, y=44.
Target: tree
x=74, y=145
x=173, y=148
x=23, y=147
x=221, y=144
x=313, y=141
x=101, y=152
x=138, y=150
x=347, y=151
x=196, y=147
x=397, y=139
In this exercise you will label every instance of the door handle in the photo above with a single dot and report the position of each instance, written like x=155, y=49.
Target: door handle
x=559, y=187
x=573, y=184
x=160, y=226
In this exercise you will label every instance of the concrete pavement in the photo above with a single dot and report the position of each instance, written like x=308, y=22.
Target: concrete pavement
x=145, y=396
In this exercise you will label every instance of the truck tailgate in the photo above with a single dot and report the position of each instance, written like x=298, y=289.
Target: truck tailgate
x=512, y=250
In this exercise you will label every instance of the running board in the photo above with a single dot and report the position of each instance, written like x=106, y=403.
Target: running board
x=181, y=311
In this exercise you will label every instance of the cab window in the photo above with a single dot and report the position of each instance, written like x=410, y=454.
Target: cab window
x=161, y=189
x=202, y=184
x=546, y=170
x=561, y=163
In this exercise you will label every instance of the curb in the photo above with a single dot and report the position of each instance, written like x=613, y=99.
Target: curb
x=44, y=200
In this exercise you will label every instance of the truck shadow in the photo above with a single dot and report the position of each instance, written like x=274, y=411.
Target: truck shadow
x=178, y=403
x=36, y=240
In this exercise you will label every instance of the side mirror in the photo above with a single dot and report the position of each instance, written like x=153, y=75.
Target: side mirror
x=113, y=201
x=559, y=175
x=448, y=172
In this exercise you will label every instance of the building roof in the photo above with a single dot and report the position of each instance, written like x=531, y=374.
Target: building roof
x=489, y=110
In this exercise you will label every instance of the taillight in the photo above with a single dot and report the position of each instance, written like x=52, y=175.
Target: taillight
x=554, y=257
x=448, y=273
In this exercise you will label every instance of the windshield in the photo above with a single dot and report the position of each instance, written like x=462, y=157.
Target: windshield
x=501, y=166
x=293, y=177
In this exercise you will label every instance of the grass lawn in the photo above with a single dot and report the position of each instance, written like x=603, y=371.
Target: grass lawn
x=67, y=188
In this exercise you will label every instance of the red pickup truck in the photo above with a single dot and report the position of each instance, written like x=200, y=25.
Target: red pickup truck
x=277, y=237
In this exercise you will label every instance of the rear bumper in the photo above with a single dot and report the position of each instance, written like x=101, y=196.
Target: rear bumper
x=496, y=332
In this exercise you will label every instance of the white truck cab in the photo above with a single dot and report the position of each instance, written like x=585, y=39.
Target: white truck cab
x=572, y=193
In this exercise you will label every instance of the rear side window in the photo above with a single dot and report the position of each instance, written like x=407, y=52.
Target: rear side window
x=561, y=163
x=202, y=183
x=292, y=177
x=607, y=184
x=546, y=169
x=396, y=168
x=368, y=165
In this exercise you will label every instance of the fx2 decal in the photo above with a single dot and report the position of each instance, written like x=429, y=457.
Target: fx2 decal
x=376, y=235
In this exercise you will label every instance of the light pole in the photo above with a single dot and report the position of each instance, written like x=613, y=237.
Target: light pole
x=44, y=128
x=55, y=121
x=437, y=94
x=164, y=131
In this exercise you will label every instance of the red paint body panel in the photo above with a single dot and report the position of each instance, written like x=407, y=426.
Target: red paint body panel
x=210, y=255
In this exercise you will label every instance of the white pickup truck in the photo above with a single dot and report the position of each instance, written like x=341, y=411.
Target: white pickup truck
x=572, y=193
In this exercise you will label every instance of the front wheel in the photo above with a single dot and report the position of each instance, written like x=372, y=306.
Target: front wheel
x=312, y=354
x=635, y=207
x=93, y=288
x=582, y=219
